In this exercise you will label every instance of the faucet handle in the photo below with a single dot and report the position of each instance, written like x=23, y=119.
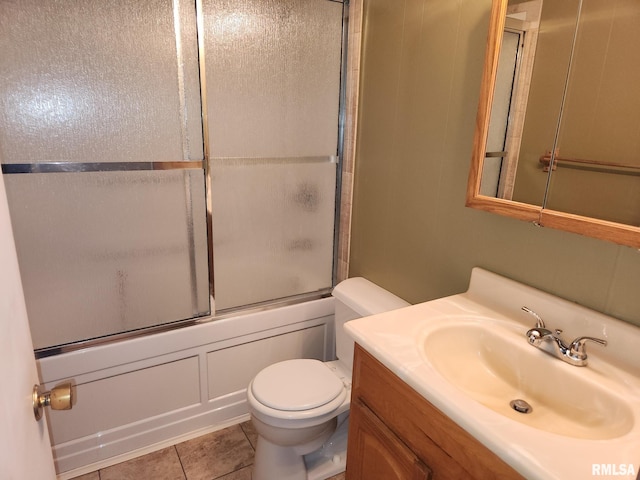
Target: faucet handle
x=539, y=321
x=537, y=335
x=578, y=349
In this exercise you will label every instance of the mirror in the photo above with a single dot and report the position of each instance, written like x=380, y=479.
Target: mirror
x=558, y=128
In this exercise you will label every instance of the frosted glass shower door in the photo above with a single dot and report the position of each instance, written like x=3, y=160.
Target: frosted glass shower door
x=101, y=147
x=273, y=88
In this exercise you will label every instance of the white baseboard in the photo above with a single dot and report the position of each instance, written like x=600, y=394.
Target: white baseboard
x=150, y=448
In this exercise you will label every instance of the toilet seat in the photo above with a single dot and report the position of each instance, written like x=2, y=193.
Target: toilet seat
x=329, y=404
x=296, y=385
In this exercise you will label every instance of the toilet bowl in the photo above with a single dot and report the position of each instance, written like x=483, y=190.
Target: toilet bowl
x=300, y=407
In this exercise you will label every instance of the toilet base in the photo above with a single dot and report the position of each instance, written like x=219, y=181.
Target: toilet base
x=274, y=461
x=331, y=458
x=328, y=468
x=286, y=462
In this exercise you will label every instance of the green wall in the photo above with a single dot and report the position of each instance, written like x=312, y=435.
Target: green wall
x=411, y=232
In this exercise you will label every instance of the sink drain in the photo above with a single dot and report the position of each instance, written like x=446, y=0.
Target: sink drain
x=521, y=406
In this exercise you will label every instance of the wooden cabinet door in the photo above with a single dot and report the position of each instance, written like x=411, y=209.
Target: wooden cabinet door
x=375, y=453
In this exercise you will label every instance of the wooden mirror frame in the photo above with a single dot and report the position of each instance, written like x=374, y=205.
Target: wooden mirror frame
x=591, y=227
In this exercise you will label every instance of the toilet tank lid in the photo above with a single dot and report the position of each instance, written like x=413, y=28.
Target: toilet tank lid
x=365, y=297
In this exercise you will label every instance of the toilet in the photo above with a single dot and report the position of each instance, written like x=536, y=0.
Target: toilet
x=300, y=407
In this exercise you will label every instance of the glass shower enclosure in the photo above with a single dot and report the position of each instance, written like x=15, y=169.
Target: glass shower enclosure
x=168, y=160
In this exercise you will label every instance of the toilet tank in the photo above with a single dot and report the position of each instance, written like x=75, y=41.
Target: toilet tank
x=355, y=298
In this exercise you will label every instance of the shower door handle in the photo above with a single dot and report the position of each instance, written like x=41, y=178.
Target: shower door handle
x=60, y=397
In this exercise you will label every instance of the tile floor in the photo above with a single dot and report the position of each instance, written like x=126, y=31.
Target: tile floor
x=223, y=455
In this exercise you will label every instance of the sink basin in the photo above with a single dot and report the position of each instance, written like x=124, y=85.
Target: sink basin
x=496, y=366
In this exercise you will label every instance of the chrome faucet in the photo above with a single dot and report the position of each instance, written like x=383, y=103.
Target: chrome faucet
x=574, y=354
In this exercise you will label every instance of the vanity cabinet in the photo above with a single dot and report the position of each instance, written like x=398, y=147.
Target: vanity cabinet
x=378, y=453
x=396, y=434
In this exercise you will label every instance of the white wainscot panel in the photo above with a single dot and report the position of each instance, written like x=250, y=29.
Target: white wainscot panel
x=146, y=393
x=231, y=369
x=127, y=398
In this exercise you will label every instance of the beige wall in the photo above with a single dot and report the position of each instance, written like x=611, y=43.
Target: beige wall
x=411, y=232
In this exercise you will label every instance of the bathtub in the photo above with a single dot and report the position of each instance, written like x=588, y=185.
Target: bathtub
x=139, y=395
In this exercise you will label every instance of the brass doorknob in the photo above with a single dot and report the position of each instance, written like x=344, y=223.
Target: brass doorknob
x=59, y=398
